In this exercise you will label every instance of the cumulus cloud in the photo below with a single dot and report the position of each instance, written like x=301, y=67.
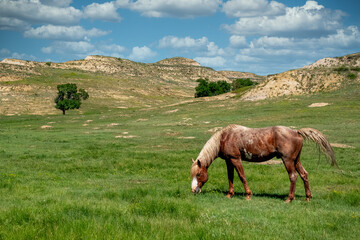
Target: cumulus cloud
x=73, y=33
x=308, y=20
x=112, y=49
x=56, y=3
x=217, y=61
x=6, y=53
x=172, y=8
x=106, y=11
x=237, y=41
x=186, y=42
x=36, y=12
x=141, y=53
x=7, y=23
x=246, y=8
x=75, y=48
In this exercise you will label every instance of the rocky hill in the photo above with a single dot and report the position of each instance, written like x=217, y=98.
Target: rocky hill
x=174, y=69
x=30, y=87
x=324, y=75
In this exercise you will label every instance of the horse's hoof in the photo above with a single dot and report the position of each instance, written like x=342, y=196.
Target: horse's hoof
x=308, y=199
x=229, y=195
x=289, y=200
x=248, y=197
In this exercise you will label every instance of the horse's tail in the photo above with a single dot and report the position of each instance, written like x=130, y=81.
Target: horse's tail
x=319, y=138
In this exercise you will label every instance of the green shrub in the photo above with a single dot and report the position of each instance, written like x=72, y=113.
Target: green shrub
x=241, y=82
x=357, y=69
x=206, y=88
x=341, y=69
x=352, y=76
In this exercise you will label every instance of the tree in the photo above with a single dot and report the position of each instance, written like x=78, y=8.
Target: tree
x=202, y=90
x=205, y=88
x=68, y=97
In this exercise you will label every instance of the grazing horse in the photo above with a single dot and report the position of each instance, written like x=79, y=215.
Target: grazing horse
x=236, y=143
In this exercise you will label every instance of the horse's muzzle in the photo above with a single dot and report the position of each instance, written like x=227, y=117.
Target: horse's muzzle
x=196, y=190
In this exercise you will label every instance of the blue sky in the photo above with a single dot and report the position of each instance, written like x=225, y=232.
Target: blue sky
x=258, y=36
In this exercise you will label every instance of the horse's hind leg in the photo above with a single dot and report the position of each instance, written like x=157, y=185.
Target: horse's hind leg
x=290, y=167
x=230, y=171
x=304, y=176
x=240, y=170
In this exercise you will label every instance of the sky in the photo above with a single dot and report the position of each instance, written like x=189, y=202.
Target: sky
x=258, y=36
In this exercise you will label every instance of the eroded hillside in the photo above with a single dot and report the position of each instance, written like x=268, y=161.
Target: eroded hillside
x=30, y=87
x=324, y=75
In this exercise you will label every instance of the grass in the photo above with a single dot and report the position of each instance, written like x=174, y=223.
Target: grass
x=81, y=179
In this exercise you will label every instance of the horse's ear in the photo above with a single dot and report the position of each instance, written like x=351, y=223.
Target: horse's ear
x=198, y=163
x=192, y=160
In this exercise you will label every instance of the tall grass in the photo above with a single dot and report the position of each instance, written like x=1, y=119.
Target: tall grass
x=124, y=174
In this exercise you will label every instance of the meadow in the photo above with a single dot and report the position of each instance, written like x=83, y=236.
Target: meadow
x=124, y=173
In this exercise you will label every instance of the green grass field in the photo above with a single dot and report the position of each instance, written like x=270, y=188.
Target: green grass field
x=110, y=173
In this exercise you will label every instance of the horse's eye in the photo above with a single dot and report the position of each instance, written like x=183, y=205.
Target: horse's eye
x=198, y=175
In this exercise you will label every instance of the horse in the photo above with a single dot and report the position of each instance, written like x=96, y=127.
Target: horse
x=236, y=143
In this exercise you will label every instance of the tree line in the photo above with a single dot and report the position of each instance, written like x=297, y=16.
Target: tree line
x=206, y=88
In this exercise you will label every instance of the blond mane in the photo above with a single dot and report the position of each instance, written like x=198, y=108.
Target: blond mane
x=210, y=150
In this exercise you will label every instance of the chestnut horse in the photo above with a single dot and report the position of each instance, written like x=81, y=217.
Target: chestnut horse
x=236, y=143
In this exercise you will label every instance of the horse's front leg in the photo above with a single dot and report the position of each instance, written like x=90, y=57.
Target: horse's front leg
x=240, y=170
x=230, y=171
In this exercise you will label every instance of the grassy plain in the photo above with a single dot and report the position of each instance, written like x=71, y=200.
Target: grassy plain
x=123, y=173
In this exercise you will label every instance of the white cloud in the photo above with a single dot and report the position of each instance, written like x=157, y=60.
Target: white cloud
x=173, y=8
x=7, y=23
x=187, y=42
x=273, y=42
x=344, y=38
x=266, y=55
x=112, y=48
x=213, y=49
x=141, y=53
x=200, y=45
x=33, y=11
x=6, y=53
x=238, y=41
x=73, y=33
x=309, y=20
x=56, y=3
x=217, y=61
x=246, y=8
x=72, y=48
x=106, y=11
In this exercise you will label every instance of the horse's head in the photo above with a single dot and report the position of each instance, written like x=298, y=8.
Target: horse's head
x=199, y=176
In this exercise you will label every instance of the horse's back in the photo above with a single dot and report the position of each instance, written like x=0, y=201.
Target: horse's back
x=259, y=144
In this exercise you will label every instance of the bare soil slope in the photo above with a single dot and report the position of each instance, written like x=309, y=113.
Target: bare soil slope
x=324, y=75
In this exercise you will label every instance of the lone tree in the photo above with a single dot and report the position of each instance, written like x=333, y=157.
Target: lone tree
x=68, y=97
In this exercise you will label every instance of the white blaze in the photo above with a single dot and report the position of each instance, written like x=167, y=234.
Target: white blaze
x=194, y=183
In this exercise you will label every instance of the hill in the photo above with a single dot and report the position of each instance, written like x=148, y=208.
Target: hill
x=30, y=87
x=324, y=75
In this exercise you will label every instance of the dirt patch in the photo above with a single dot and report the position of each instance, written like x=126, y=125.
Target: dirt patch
x=172, y=134
x=113, y=124
x=46, y=127
x=172, y=111
x=125, y=136
x=270, y=162
x=318, y=105
x=186, y=137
